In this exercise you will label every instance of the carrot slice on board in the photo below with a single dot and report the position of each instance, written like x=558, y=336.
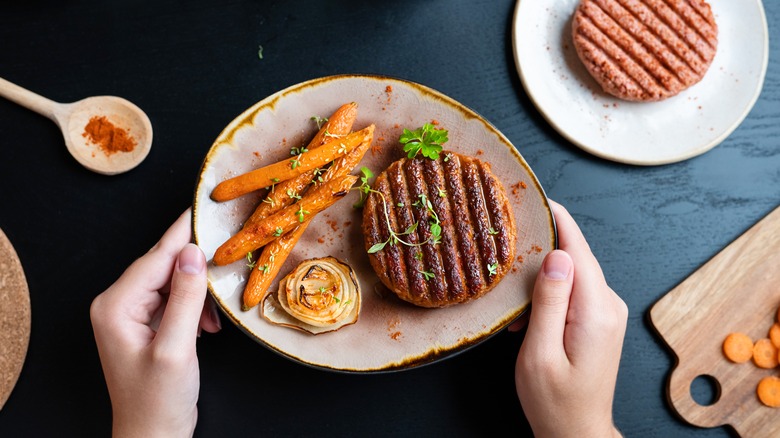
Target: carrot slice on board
x=768, y=391
x=738, y=347
x=764, y=353
x=774, y=334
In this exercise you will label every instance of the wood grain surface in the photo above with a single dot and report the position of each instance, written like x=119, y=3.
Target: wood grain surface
x=14, y=318
x=738, y=290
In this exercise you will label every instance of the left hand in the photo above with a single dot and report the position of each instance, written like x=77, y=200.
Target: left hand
x=152, y=371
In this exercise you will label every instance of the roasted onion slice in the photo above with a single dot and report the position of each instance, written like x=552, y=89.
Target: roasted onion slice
x=320, y=295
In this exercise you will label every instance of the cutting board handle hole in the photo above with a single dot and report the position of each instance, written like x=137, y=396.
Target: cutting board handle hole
x=705, y=390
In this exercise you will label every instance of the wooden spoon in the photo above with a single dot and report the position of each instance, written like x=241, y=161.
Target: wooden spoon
x=72, y=118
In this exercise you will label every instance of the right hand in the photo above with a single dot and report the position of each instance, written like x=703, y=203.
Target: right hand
x=568, y=363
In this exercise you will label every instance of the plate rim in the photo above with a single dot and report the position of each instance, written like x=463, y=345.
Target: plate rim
x=406, y=363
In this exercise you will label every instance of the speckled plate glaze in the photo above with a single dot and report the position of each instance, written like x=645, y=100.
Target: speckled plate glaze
x=641, y=133
x=390, y=334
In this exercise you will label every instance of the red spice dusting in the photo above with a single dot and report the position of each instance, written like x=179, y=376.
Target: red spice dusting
x=321, y=240
x=480, y=152
x=520, y=259
x=391, y=328
x=347, y=224
x=516, y=187
x=256, y=154
x=389, y=89
x=333, y=224
x=109, y=137
x=434, y=122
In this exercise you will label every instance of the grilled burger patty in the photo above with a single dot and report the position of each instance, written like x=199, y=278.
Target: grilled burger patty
x=478, y=232
x=645, y=50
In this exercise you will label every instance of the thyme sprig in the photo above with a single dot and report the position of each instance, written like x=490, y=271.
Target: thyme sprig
x=398, y=237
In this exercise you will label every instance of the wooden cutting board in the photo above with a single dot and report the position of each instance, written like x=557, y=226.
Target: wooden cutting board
x=14, y=318
x=737, y=290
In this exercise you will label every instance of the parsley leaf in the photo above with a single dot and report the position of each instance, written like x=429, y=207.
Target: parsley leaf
x=426, y=140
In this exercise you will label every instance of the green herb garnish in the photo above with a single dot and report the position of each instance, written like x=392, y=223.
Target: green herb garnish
x=249, y=262
x=427, y=274
x=365, y=187
x=291, y=193
x=426, y=140
x=301, y=212
x=319, y=121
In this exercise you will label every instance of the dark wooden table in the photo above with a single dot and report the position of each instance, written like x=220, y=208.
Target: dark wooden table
x=193, y=67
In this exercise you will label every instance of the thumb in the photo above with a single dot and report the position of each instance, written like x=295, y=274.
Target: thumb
x=550, y=303
x=179, y=324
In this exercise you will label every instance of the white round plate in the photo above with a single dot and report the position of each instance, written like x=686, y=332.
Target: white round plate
x=640, y=133
x=390, y=334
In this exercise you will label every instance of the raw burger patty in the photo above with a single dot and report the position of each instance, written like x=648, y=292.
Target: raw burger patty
x=645, y=50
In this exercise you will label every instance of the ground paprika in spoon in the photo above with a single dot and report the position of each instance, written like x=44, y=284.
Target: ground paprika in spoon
x=109, y=137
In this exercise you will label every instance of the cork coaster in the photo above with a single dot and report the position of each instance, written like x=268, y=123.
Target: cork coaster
x=14, y=318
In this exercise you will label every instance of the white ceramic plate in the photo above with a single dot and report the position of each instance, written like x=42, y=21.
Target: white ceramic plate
x=390, y=334
x=646, y=133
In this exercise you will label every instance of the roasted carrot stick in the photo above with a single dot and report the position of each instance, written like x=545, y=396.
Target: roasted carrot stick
x=253, y=237
x=287, y=169
x=339, y=124
x=268, y=265
x=276, y=252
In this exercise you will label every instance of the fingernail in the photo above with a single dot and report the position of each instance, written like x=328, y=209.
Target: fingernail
x=191, y=260
x=557, y=265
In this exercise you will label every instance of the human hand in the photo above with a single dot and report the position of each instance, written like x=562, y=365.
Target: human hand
x=145, y=327
x=568, y=363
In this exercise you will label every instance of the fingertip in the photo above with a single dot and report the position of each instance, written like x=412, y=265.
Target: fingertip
x=550, y=302
x=191, y=260
x=557, y=265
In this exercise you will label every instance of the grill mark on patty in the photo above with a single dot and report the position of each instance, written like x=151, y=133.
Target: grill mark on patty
x=500, y=218
x=462, y=225
x=671, y=39
x=626, y=51
x=390, y=256
x=447, y=247
x=698, y=17
x=478, y=211
x=646, y=46
x=687, y=31
x=602, y=52
x=404, y=217
x=436, y=287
